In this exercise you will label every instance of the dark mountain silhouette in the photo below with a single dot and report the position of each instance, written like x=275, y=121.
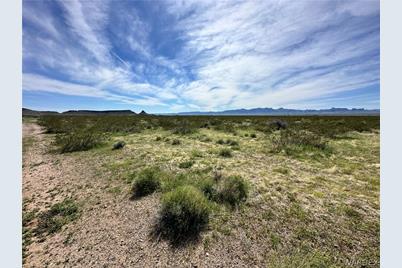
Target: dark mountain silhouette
x=106, y=112
x=29, y=112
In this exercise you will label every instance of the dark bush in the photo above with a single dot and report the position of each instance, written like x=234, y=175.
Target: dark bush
x=119, y=145
x=278, y=124
x=147, y=182
x=253, y=135
x=176, y=142
x=185, y=212
x=225, y=152
x=220, y=141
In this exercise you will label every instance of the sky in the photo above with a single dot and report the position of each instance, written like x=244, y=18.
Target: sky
x=176, y=56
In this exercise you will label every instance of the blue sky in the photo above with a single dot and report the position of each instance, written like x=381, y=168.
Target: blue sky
x=174, y=56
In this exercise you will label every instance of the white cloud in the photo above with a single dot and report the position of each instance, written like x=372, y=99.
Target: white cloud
x=233, y=54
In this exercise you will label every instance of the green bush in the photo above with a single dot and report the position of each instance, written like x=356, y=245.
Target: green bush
x=233, y=190
x=225, y=152
x=253, y=135
x=147, y=182
x=78, y=141
x=185, y=212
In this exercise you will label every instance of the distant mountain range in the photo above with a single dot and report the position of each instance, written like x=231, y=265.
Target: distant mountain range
x=256, y=111
x=283, y=111
x=28, y=112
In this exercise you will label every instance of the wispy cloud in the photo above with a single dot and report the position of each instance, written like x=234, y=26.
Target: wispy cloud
x=204, y=55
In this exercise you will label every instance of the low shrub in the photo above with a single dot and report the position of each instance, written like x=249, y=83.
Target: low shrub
x=225, y=152
x=176, y=142
x=253, y=135
x=119, y=145
x=78, y=141
x=185, y=212
x=278, y=124
x=220, y=141
x=147, y=181
x=158, y=138
x=233, y=190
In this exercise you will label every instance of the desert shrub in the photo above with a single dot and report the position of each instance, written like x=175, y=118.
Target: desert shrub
x=185, y=212
x=225, y=152
x=186, y=164
x=233, y=190
x=278, y=124
x=147, y=181
x=78, y=141
x=246, y=135
x=57, y=216
x=220, y=141
x=301, y=139
x=253, y=135
x=176, y=142
x=158, y=138
x=119, y=145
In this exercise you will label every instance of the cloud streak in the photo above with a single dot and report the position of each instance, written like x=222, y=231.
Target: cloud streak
x=204, y=55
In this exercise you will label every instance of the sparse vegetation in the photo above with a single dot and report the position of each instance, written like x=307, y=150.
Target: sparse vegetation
x=309, y=187
x=57, y=216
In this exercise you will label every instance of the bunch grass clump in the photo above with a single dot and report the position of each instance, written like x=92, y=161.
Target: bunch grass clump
x=147, y=181
x=185, y=212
